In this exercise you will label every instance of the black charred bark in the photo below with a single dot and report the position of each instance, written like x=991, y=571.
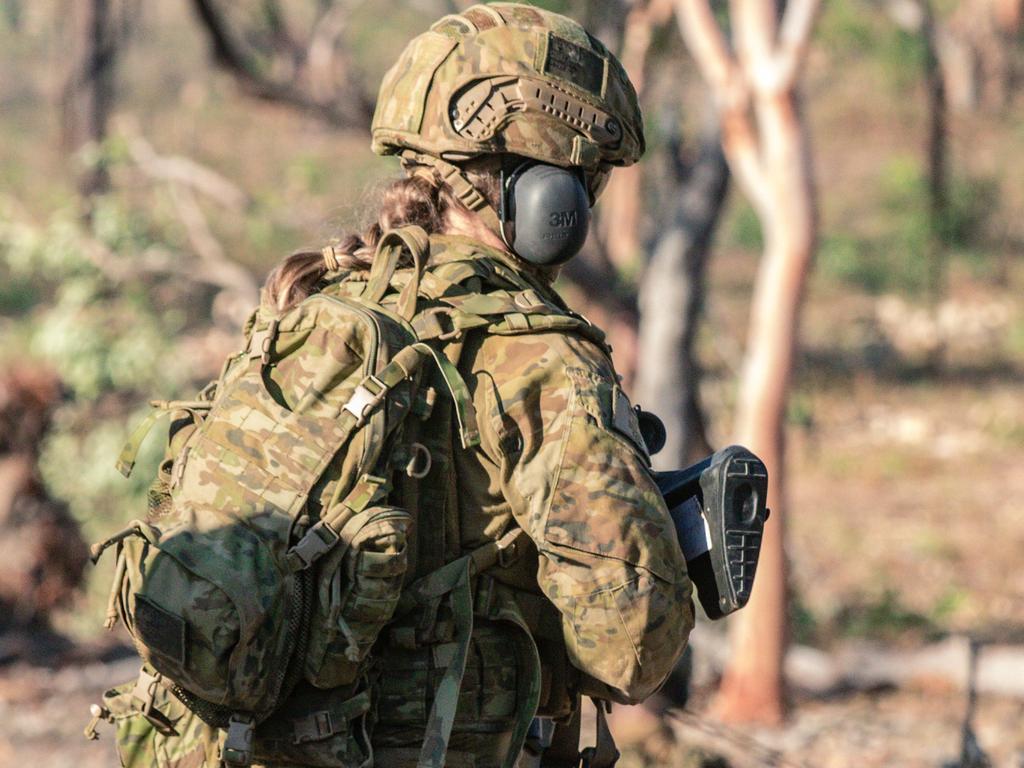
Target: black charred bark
x=671, y=301
x=88, y=94
x=351, y=109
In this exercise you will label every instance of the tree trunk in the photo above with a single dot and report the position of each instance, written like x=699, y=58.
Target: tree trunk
x=937, y=162
x=622, y=206
x=89, y=89
x=603, y=300
x=1009, y=16
x=671, y=301
x=752, y=688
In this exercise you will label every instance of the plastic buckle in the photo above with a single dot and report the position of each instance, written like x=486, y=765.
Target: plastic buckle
x=313, y=727
x=508, y=554
x=529, y=300
x=237, y=750
x=364, y=400
x=318, y=540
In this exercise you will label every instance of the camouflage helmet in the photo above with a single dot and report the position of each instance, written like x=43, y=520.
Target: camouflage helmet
x=507, y=78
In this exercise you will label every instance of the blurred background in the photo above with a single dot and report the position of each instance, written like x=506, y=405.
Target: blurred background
x=819, y=256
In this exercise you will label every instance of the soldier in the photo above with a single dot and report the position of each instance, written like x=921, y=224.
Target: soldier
x=508, y=120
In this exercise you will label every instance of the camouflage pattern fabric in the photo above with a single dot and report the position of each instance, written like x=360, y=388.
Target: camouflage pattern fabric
x=575, y=478
x=510, y=78
x=602, y=585
x=141, y=744
x=596, y=600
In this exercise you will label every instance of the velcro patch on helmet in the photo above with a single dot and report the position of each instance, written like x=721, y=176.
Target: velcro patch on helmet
x=574, y=63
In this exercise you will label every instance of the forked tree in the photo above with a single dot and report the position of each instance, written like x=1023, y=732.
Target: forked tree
x=753, y=72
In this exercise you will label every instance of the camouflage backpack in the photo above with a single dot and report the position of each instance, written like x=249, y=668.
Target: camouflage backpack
x=270, y=554
x=271, y=557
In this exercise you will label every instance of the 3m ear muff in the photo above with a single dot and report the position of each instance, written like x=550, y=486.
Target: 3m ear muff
x=545, y=212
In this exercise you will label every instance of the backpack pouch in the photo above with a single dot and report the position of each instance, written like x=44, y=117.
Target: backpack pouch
x=359, y=588
x=202, y=609
x=144, y=743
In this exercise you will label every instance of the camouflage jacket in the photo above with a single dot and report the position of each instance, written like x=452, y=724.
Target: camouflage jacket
x=562, y=457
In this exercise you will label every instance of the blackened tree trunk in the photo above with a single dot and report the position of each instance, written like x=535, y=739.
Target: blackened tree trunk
x=89, y=88
x=671, y=303
x=937, y=161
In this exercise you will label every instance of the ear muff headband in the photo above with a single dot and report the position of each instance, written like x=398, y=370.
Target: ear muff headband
x=545, y=212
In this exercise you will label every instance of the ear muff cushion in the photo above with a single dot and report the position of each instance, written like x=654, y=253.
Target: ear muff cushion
x=546, y=213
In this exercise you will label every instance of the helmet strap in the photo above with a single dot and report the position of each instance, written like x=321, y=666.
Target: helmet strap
x=435, y=170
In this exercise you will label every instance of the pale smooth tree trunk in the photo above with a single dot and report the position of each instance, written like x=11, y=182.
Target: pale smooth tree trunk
x=765, y=142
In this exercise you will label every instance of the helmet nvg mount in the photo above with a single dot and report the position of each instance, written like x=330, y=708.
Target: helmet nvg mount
x=514, y=80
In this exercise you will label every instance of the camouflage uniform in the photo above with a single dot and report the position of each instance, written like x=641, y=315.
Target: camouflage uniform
x=603, y=589
x=602, y=582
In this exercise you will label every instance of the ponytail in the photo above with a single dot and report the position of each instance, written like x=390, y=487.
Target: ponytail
x=410, y=200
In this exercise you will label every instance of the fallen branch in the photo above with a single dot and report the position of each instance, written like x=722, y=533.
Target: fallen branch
x=868, y=666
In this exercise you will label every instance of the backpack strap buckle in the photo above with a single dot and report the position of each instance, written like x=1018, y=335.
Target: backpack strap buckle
x=366, y=397
x=428, y=325
x=317, y=541
x=237, y=750
x=314, y=727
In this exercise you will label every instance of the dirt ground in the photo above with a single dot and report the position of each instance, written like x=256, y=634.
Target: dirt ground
x=905, y=525
x=44, y=712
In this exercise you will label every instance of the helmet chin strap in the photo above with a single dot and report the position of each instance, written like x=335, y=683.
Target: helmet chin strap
x=434, y=169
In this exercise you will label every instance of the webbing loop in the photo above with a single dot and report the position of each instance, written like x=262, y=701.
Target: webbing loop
x=126, y=459
x=469, y=434
x=385, y=261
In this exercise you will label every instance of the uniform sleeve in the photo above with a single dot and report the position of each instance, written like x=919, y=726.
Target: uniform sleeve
x=574, y=472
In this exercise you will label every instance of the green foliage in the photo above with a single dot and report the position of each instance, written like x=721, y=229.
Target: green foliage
x=855, y=32
x=884, y=617
x=309, y=174
x=902, y=55
x=1015, y=338
x=742, y=227
x=896, y=259
x=99, y=335
x=847, y=27
x=862, y=263
x=800, y=410
x=803, y=624
x=72, y=300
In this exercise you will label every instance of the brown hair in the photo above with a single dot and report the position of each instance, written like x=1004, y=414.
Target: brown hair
x=410, y=200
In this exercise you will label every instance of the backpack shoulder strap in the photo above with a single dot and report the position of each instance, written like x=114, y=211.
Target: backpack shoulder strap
x=392, y=245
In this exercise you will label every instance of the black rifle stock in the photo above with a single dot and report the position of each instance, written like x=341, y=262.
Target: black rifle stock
x=725, y=495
